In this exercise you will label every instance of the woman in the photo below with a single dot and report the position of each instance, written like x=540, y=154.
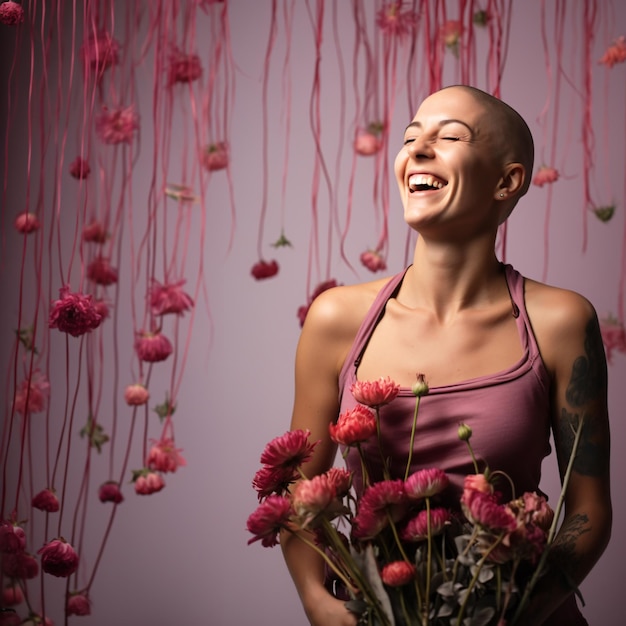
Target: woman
x=512, y=357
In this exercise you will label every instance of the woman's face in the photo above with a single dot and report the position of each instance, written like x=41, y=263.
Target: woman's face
x=449, y=165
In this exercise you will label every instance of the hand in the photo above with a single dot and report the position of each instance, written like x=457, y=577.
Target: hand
x=331, y=612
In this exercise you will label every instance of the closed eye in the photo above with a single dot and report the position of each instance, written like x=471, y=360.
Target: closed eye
x=451, y=138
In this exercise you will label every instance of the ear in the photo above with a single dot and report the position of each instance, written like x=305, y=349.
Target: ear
x=512, y=181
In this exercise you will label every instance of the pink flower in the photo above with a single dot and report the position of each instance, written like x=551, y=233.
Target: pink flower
x=545, y=175
x=321, y=288
x=373, y=261
x=215, y=156
x=12, y=595
x=615, y=53
x=117, y=125
x=264, y=269
x=169, y=298
x=78, y=603
x=267, y=521
x=450, y=34
x=353, y=426
x=398, y=573
x=27, y=223
x=20, y=565
x=289, y=450
x=367, y=143
x=375, y=393
x=46, y=500
x=477, y=482
x=613, y=336
x=147, y=482
x=164, y=457
x=417, y=528
x=95, y=232
x=183, y=68
x=99, y=52
x=79, y=168
x=270, y=480
x=340, y=479
x=102, y=308
x=11, y=13
x=536, y=510
x=152, y=347
x=482, y=509
x=101, y=272
x=136, y=395
x=58, y=558
x=312, y=497
x=380, y=502
x=12, y=538
x=425, y=483
x=110, y=492
x=31, y=395
x=393, y=21
x=74, y=313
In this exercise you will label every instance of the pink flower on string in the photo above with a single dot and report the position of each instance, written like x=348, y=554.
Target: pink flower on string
x=367, y=141
x=46, y=500
x=117, y=125
x=373, y=261
x=545, y=175
x=164, y=456
x=613, y=336
x=169, y=298
x=20, y=565
x=353, y=426
x=102, y=308
x=264, y=269
x=79, y=168
x=152, y=347
x=270, y=480
x=136, y=394
x=147, y=482
x=100, y=52
x=395, y=22
x=321, y=288
x=101, y=272
x=12, y=538
x=58, y=558
x=426, y=483
x=95, y=232
x=312, y=497
x=78, y=603
x=27, y=223
x=110, y=492
x=183, y=68
x=215, y=156
x=11, y=13
x=11, y=596
x=450, y=35
x=269, y=519
x=289, y=450
x=398, y=573
x=615, y=53
x=74, y=313
x=31, y=394
x=417, y=528
x=375, y=393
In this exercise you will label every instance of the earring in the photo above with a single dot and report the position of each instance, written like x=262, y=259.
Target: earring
x=502, y=195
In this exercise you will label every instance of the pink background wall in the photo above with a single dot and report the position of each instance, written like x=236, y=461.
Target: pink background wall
x=180, y=556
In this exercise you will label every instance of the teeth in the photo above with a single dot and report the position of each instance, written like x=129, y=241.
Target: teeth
x=418, y=180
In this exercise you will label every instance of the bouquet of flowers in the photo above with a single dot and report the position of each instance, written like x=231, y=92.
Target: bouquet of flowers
x=394, y=553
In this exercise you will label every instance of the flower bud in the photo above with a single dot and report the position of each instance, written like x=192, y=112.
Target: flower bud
x=420, y=387
x=465, y=432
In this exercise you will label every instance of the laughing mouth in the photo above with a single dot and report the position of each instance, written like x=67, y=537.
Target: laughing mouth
x=425, y=182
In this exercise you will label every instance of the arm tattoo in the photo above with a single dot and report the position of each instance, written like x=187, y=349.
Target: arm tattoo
x=564, y=547
x=591, y=458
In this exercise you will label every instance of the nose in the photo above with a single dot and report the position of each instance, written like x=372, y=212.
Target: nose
x=420, y=148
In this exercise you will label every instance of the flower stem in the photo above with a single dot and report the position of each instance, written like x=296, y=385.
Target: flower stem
x=412, y=440
x=386, y=474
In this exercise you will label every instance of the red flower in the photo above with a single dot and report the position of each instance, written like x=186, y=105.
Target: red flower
x=79, y=168
x=267, y=521
x=12, y=538
x=262, y=269
x=169, y=298
x=12, y=595
x=379, y=502
x=46, y=500
x=545, y=175
x=398, y=573
x=99, y=52
x=147, y=482
x=58, y=558
x=110, y=492
x=74, y=313
x=312, y=497
x=101, y=272
x=78, y=603
x=367, y=143
x=31, y=395
x=164, y=457
x=117, y=125
x=373, y=261
x=417, y=528
x=152, y=347
x=482, y=509
x=26, y=223
x=11, y=13
x=340, y=479
x=270, y=480
x=353, y=426
x=393, y=21
x=289, y=450
x=102, y=308
x=615, y=53
x=375, y=393
x=215, y=156
x=321, y=288
x=613, y=336
x=136, y=395
x=95, y=233
x=426, y=483
x=20, y=565
x=183, y=68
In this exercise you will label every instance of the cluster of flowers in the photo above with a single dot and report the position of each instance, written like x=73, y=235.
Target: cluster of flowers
x=394, y=551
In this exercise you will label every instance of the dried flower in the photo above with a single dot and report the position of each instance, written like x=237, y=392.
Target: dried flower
x=215, y=156
x=417, y=528
x=373, y=261
x=481, y=18
x=381, y=502
x=312, y=497
x=164, y=457
x=545, y=175
x=99, y=52
x=78, y=603
x=147, y=482
x=95, y=434
x=450, y=34
x=32, y=394
x=20, y=565
x=289, y=450
x=425, y=483
x=58, y=558
x=118, y=125
x=169, y=298
x=367, y=143
x=183, y=68
x=102, y=308
x=269, y=519
x=136, y=394
x=74, y=313
x=11, y=13
x=270, y=480
x=340, y=479
x=27, y=223
x=375, y=393
x=482, y=509
x=321, y=288
x=95, y=232
x=12, y=595
x=12, y=538
x=398, y=573
x=110, y=492
x=46, y=500
x=615, y=53
x=152, y=347
x=613, y=336
x=264, y=269
x=604, y=213
x=395, y=22
x=79, y=168
x=101, y=272
x=353, y=426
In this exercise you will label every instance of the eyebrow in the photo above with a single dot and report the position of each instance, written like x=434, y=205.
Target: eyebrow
x=441, y=124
